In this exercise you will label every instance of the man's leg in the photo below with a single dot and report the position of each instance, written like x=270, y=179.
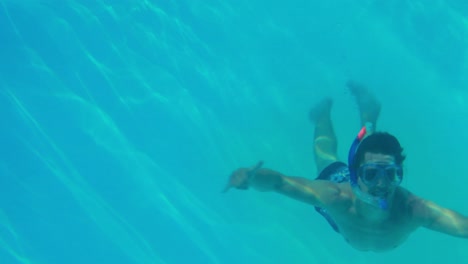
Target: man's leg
x=325, y=144
x=369, y=106
x=325, y=147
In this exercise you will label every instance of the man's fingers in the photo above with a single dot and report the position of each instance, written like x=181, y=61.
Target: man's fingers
x=228, y=186
x=257, y=167
x=239, y=178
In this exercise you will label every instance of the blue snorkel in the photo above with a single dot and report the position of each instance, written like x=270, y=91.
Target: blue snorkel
x=376, y=201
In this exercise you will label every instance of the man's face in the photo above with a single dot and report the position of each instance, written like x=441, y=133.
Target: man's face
x=375, y=175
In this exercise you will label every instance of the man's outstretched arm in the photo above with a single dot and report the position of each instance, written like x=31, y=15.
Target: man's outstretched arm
x=314, y=192
x=437, y=218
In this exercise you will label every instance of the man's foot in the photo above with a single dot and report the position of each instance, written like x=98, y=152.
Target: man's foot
x=321, y=110
x=369, y=106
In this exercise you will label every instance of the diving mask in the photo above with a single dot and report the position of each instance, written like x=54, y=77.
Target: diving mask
x=372, y=173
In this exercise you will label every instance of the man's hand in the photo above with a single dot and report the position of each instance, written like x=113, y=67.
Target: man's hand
x=239, y=179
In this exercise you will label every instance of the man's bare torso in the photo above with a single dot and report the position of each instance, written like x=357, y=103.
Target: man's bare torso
x=376, y=230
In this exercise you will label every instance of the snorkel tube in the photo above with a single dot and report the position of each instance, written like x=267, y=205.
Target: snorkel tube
x=370, y=199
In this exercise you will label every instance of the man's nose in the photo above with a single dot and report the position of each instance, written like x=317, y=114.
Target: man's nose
x=382, y=181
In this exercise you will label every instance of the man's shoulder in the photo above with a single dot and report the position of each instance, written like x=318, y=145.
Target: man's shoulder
x=414, y=206
x=342, y=195
x=407, y=198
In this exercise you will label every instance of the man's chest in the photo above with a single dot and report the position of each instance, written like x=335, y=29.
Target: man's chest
x=374, y=235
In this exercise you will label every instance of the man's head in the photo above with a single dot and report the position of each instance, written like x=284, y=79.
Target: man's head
x=378, y=163
x=379, y=143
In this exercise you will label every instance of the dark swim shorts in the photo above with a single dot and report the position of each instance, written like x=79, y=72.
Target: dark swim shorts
x=335, y=172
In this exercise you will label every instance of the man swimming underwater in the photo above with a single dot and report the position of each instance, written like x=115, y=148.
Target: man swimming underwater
x=362, y=200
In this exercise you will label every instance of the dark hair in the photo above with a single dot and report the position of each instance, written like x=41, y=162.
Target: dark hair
x=381, y=143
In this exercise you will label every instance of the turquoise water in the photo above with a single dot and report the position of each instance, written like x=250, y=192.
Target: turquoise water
x=122, y=120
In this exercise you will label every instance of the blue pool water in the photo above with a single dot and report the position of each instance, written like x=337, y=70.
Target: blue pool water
x=122, y=120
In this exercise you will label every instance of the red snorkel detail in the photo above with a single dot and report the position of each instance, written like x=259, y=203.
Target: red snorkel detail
x=362, y=133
